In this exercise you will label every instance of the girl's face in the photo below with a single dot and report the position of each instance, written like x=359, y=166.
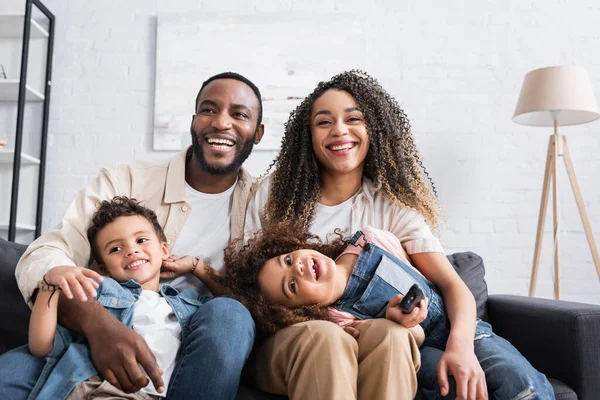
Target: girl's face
x=339, y=133
x=303, y=277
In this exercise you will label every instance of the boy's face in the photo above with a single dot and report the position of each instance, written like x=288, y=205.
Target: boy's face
x=303, y=277
x=130, y=249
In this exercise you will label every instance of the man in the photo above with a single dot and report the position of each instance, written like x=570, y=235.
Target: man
x=200, y=198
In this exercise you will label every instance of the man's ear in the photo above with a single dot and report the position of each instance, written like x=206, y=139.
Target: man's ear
x=260, y=131
x=165, y=250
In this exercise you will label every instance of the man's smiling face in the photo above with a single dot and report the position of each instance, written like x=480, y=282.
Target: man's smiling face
x=225, y=127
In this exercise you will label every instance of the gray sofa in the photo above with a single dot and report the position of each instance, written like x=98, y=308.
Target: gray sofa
x=561, y=339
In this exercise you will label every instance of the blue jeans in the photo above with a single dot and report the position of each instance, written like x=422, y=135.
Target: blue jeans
x=212, y=354
x=507, y=373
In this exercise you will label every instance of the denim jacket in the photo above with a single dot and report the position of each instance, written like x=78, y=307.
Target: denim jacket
x=70, y=361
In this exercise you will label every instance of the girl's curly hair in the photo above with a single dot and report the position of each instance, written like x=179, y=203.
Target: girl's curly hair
x=243, y=266
x=393, y=162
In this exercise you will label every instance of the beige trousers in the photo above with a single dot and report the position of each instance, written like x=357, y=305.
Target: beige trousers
x=96, y=388
x=318, y=360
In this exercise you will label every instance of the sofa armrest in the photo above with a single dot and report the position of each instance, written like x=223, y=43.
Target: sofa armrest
x=559, y=338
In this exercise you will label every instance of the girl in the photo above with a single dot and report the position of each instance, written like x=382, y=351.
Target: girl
x=286, y=277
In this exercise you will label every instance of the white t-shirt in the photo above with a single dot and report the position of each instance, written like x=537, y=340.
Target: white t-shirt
x=329, y=218
x=155, y=321
x=205, y=234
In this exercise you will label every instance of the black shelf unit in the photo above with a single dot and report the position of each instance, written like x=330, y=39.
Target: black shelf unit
x=23, y=92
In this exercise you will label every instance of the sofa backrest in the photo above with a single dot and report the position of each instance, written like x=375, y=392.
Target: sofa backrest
x=14, y=312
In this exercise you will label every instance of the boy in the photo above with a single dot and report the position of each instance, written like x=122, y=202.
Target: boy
x=129, y=246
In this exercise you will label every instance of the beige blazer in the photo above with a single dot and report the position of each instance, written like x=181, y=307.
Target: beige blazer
x=158, y=184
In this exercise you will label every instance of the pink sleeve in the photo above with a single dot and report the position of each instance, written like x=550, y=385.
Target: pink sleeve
x=387, y=241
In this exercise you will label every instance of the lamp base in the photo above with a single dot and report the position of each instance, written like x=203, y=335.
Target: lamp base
x=557, y=147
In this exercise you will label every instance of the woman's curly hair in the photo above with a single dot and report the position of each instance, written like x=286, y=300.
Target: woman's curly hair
x=243, y=266
x=393, y=162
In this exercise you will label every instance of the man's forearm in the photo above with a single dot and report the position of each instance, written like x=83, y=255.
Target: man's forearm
x=83, y=317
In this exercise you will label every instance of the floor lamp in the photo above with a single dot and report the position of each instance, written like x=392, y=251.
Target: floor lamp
x=557, y=96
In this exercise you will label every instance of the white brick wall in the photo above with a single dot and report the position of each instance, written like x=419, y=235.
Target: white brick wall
x=456, y=67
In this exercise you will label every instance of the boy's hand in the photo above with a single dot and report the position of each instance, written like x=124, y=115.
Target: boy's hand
x=174, y=266
x=394, y=313
x=74, y=280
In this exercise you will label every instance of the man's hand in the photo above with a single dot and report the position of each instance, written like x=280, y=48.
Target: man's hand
x=394, y=313
x=119, y=355
x=465, y=368
x=175, y=266
x=74, y=280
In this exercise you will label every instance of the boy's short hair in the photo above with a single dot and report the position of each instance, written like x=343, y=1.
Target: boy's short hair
x=120, y=206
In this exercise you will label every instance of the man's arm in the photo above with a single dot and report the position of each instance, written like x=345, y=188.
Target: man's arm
x=117, y=351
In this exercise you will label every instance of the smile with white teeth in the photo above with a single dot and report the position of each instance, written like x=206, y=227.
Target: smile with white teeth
x=344, y=146
x=313, y=270
x=136, y=264
x=220, y=143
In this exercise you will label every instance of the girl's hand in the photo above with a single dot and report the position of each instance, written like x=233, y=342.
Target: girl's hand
x=465, y=368
x=74, y=280
x=175, y=266
x=394, y=313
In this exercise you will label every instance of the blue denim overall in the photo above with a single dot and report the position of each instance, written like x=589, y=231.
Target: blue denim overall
x=378, y=276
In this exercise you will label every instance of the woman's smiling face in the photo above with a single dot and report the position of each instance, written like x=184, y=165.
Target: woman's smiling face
x=339, y=133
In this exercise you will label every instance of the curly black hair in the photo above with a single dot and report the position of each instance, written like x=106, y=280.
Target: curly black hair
x=243, y=267
x=393, y=162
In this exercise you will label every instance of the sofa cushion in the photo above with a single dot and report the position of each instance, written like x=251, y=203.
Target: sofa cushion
x=14, y=312
x=472, y=271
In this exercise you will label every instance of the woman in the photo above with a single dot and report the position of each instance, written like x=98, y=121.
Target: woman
x=348, y=160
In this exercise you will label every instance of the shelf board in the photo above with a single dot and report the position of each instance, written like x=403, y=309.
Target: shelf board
x=20, y=227
x=7, y=157
x=9, y=91
x=11, y=26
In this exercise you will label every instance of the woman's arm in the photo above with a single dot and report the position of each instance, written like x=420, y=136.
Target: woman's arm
x=459, y=359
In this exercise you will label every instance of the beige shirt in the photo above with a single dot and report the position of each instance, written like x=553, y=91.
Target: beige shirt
x=158, y=184
x=369, y=208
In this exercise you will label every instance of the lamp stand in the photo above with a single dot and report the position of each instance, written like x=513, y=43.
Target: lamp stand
x=557, y=147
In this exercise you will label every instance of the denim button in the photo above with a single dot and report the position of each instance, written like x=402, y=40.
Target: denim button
x=113, y=302
x=73, y=379
x=180, y=314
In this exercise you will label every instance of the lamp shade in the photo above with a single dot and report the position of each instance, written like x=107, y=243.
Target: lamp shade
x=563, y=93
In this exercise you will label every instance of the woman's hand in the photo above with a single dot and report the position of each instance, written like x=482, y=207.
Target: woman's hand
x=174, y=266
x=74, y=280
x=465, y=368
x=394, y=313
